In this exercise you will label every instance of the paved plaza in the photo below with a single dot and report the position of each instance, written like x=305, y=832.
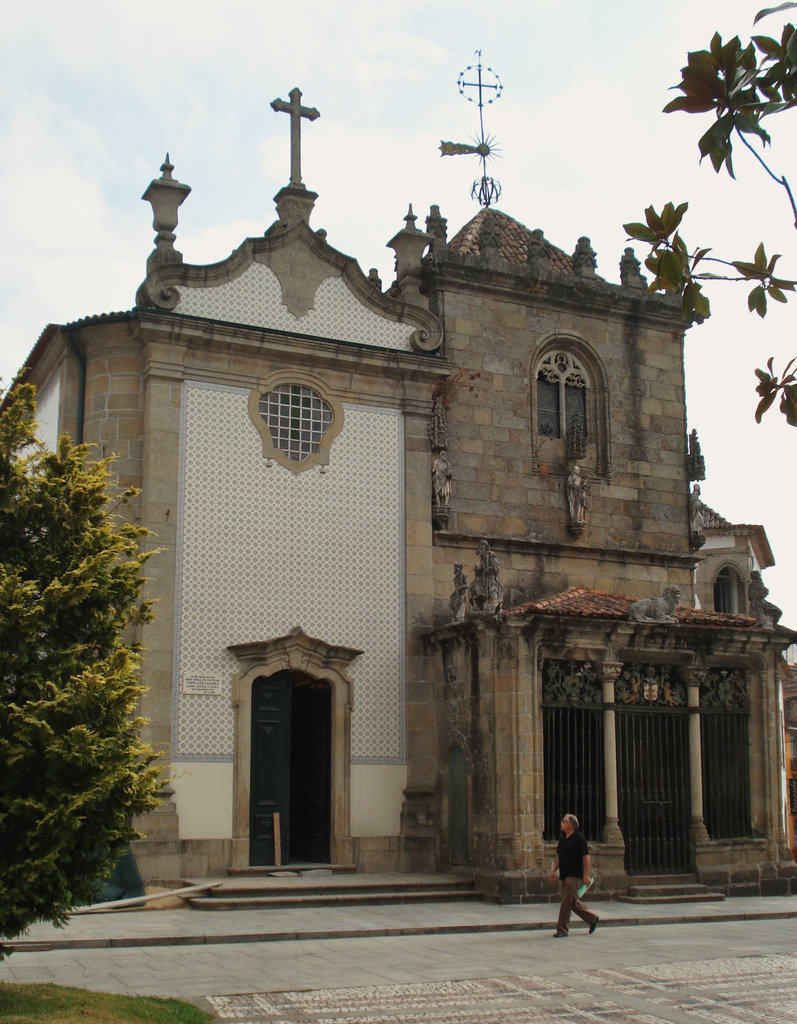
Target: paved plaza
x=729, y=963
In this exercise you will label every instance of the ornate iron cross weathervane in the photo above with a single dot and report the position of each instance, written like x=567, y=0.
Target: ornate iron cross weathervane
x=486, y=89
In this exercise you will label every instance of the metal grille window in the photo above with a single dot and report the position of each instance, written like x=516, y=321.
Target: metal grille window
x=572, y=717
x=561, y=395
x=297, y=418
x=724, y=719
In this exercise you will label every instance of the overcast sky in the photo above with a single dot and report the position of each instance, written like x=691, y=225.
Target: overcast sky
x=92, y=95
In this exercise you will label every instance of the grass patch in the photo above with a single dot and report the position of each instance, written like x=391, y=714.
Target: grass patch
x=55, y=1004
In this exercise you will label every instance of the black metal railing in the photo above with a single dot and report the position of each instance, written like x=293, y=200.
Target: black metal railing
x=726, y=773
x=653, y=789
x=573, y=766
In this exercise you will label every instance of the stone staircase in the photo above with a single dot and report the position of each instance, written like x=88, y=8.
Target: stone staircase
x=328, y=886
x=668, y=889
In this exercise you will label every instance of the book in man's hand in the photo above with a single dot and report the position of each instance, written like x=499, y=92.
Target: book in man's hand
x=584, y=886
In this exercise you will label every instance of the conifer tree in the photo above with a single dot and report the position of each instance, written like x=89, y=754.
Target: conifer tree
x=73, y=768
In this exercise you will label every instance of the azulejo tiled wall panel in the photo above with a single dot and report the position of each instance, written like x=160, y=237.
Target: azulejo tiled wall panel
x=48, y=401
x=254, y=298
x=261, y=550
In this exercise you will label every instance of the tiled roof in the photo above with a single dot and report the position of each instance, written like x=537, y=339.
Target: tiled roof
x=713, y=520
x=581, y=602
x=512, y=238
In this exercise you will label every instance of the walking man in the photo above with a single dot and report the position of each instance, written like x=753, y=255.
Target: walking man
x=572, y=859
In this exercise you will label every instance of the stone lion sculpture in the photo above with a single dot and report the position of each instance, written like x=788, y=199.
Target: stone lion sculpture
x=656, y=609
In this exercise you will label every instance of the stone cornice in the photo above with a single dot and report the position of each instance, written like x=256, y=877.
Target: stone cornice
x=518, y=283
x=160, y=289
x=552, y=549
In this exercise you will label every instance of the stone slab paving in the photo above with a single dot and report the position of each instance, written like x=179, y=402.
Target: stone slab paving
x=716, y=971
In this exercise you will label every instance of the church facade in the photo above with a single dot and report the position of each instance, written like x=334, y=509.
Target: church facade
x=404, y=536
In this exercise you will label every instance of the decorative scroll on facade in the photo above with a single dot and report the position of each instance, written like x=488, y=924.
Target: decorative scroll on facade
x=570, y=682
x=650, y=686
x=725, y=688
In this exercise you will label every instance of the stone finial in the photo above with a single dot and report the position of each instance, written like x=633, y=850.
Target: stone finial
x=584, y=258
x=409, y=245
x=575, y=440
x=631, y=275
x=458, y=602
x=437, y=227
x=656, y=609
x=165, y=195
x=489, y=245
x=374, y=279
x=766, y=614
x=695, y=463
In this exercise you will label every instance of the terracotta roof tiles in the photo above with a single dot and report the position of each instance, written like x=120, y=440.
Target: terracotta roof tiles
x=581, y=602
x=512, y=239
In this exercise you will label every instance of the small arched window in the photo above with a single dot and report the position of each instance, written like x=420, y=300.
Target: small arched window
x=729, y=592
x=561, y=396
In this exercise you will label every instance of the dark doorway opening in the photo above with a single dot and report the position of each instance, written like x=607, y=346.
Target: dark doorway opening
x=290, y=769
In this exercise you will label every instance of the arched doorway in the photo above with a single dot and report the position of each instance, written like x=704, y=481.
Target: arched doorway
x=290, y=769
x=297, y=669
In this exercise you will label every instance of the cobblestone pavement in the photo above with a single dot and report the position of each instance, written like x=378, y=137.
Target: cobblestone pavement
x=719, y=972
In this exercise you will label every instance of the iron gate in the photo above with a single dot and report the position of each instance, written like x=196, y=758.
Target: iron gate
x=572, y=718
x=652, y=723
x=724, y=718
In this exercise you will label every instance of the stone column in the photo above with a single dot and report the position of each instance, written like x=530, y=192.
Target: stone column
x=697, y=828
x=608, y=673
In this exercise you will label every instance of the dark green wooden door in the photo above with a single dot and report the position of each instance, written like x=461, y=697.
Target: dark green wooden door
x=290, y=769
x=270, y=770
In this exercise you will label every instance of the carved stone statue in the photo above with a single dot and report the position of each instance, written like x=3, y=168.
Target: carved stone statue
x=486, y=592
x=441, y=478
x=766, y=614
x=631, y=275
x=656, y=609
x=458, y=602
x=696, y=519
x=577, y=488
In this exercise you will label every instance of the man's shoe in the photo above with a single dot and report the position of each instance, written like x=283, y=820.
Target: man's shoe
x=559, y=935
x=594, y=925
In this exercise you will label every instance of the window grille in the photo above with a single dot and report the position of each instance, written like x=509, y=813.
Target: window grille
x=297, y=418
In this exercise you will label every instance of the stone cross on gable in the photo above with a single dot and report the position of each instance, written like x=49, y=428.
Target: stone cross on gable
x=297, y=112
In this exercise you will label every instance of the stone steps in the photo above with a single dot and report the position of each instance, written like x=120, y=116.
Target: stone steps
x=677, y=889
x=252, y=891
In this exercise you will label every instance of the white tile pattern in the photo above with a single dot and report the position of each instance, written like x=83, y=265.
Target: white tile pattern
x=261, y=550
x=48, y=403
x=254, y=298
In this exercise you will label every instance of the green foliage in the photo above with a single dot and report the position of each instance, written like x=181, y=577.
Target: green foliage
x=740, y=85
x=31, y=1004
x=74, y=768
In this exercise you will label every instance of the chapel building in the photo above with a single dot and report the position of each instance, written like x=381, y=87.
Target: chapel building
x=427, y=568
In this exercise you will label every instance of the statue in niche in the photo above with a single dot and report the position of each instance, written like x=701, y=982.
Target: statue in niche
x=441, y=478
x=696, y=519
x=577, y=503
x=486, y=592
x=656, y=609
x=766, y=614
x=458, y=602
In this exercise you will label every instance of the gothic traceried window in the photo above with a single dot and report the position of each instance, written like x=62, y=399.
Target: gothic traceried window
x=297, y=418
x=561, y=396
